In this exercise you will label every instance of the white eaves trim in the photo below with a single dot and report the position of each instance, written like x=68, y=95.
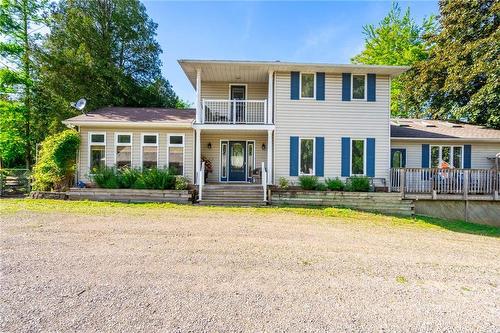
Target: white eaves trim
x=488, y=140
x=129, y=124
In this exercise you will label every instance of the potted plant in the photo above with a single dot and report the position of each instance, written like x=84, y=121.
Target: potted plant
x=208, y=166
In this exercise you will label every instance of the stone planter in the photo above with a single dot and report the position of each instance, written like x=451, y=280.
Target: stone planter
x=130, y=195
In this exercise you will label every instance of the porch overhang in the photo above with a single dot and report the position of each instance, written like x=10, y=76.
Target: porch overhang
x=234, y=127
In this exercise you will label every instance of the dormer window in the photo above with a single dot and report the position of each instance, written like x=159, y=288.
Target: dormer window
x=307, y=85
x=358, y=87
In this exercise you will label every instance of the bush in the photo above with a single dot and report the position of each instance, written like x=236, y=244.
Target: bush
x=308, y=182
x=181, y=183
x=128, y=177
x=321, y=187
x=283, y=183
x=56, y=164
x=359, y=184
x=158, y=179
x=334, y=184
x=106, y=177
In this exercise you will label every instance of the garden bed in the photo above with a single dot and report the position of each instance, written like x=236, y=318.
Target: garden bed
x=131, y=195
x=388, y=203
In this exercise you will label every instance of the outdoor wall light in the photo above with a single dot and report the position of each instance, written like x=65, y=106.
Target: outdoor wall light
x=210, y=145
x=263, y=146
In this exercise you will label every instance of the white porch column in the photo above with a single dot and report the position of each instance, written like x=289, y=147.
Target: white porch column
x=270, y=157
x=198, y=155
x=198, y=96
x=270, y=85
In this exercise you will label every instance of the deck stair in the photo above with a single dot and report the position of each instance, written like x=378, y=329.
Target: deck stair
x=232, y=195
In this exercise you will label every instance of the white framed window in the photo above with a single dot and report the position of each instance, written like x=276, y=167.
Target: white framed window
x=123, y=150
x=149, y=150
x=307, y=150
x=358, y=87
x=358, y=157
x=175, y=146
x=223, y=161
x=97, y=150
x=307, y=85
x=446, y=156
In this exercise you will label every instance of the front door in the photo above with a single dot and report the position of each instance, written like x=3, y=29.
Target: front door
x=398, y=158
x=237, y=161
x=238, y=93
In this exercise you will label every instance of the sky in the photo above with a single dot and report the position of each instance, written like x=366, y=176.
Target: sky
x=323, y=32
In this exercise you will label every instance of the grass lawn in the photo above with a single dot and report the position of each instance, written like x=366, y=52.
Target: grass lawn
x=106, y=267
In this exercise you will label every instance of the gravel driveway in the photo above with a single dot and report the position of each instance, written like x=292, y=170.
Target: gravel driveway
x=204, y=269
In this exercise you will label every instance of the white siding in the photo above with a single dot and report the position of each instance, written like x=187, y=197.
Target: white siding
x=220, y=90
x=136, y=148
x=213, y=155
x=479, y=152
x=331, y=119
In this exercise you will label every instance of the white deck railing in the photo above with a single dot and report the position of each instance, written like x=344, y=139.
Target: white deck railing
x=445, y=181
x=219, y=111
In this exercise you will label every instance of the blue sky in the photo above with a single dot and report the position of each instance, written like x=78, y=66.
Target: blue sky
x=288, y=31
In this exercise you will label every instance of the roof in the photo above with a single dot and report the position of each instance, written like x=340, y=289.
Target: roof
x=135, y=116
x=257, y=71
x=438, y=129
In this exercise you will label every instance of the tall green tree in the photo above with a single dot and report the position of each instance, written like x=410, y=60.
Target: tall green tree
x=20, y=24
x=461, y=77
x=397, y=40
x=105, y=51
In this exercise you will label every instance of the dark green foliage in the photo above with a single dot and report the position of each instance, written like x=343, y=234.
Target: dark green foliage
x=321, y=187
x=57, y=161
x=308, y=182
x=358, y=184
x=335, y=184
x=461, y=77
x=154, y=179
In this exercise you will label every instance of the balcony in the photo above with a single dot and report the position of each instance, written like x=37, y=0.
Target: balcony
x=219, y=111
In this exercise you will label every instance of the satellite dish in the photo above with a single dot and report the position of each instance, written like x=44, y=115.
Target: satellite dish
x=80, y=105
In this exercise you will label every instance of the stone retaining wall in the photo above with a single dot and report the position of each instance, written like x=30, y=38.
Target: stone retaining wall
x=130, y=195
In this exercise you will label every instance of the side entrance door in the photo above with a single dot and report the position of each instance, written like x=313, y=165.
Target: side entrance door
x=398, y=158
x=237, y=161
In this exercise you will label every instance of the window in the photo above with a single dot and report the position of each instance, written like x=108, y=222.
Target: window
x=123, y=157
x=250, y=158
x=149, y=151
x=358, y=157
x=446, y=156
x=224, y=160
x=358, y=86
x=306, y=156
x=307, y=85
x=97, y=151
x=176, y=153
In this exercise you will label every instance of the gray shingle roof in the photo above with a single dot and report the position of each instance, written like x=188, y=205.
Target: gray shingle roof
x=437, y=129
x=133, y=114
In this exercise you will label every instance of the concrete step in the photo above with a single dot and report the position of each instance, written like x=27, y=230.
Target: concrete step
x=238, y=203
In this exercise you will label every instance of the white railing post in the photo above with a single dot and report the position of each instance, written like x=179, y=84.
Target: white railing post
x=234, y=111
x=466, y=184
x=264, y=180
x=201, y=176
x=203, y=112
x=402, y=181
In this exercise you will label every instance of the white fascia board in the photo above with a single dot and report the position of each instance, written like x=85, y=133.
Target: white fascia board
x=242, y=127
x=126, y=124
x=488, y=140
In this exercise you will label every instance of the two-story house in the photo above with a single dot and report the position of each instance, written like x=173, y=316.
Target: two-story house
x=292, y=119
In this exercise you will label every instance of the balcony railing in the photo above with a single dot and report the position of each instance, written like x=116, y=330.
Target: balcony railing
x=234, y=111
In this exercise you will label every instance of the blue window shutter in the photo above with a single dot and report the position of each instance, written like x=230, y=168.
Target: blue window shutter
x=370, y=157
x=346, y=86
x=294, y=85
x=372, y=87
x=346, y=157
x=294, y=156
x=467, y=156
x=425, y=156
x=319, y=163
x=320, y=86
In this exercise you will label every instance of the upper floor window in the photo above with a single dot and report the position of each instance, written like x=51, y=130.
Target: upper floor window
x=306, y=156
x=97, y=151
x=358, y=86
x=176, y=153
x=446, y=156
x=123, y=150
x=149, y=151
x=307, y=85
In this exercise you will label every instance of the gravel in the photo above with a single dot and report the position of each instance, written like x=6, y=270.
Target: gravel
x=204, y=269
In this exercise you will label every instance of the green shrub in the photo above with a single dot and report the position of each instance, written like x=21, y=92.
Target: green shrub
x=359, y=184
x=321, y=187
x=181, y=183
x=158, y=179
x=106, y=177
x=139, y=184
x=128, y=177
x=56, y=164
x=283, y=183
x=308, y=182
x=335, y=184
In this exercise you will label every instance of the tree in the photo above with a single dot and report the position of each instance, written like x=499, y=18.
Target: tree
x=461, y=77
x=396, y=40
x=106, y=52
x=20, y=22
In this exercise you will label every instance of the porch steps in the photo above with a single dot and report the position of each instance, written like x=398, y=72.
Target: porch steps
x=232, y=195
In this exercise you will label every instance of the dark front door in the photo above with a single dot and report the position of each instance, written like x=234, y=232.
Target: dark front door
x=398, y=158
x=237, y=161
x=238, y=93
